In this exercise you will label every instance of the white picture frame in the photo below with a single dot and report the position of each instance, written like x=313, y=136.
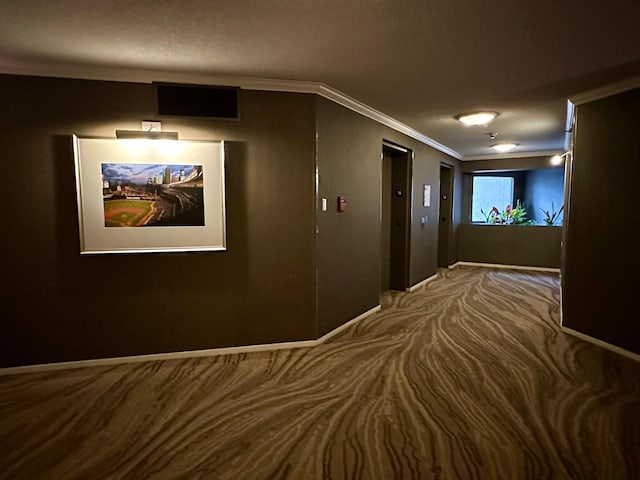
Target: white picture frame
x=426, y=196
x=126, y=206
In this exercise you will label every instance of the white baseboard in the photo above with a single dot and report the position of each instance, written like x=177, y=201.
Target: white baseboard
x=337, y=330
x=422, y=283
x=501, y=265
x=600, y=343
x=212, y=352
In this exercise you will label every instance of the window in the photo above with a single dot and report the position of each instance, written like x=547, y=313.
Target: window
x=539, y=193
x=489, y=192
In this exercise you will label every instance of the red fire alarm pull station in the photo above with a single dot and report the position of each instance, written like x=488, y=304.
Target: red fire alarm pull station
x=342, y=204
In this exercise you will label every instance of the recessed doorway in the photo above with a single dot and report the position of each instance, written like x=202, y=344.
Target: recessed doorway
x=446, y=215
x=396, y=208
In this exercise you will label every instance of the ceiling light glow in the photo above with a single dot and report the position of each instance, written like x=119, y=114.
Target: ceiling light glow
x=476, y=119
x=558, y=159
x=504, y=147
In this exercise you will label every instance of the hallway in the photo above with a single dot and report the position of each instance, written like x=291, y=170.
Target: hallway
x=468, y=377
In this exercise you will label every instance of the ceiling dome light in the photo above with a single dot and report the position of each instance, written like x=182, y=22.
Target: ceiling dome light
x=504, y=147
x=476, y=119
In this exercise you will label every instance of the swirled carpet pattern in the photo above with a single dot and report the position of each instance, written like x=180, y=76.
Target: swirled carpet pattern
x=469, y=377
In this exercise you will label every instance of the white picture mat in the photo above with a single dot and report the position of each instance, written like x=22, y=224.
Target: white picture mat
x=91, y=153
x=426, y=198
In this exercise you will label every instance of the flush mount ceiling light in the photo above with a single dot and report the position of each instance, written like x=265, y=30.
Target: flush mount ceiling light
x=504, y=147
x=476, y=119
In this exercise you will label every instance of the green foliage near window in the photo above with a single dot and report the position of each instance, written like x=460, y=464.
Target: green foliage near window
x=509, y=216
x=551, y=217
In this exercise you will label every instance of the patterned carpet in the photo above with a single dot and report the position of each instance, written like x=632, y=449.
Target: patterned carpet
x=466, y=378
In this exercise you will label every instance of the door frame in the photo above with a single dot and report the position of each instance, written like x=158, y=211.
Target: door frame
x=448, y=217
x=399, y=245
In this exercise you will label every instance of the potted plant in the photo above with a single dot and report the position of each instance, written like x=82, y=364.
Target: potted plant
x=510, y=216
x=550, y=218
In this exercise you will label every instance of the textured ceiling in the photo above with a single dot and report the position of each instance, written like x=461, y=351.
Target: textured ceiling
x=418, y=61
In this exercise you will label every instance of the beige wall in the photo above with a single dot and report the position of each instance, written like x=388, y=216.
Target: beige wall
x=348, y=243
x=600, y=271
x=533, y=246
x=278, y=281
x=59, y=306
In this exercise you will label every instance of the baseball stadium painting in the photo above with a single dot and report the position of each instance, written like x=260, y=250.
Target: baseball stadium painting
x=144, y=195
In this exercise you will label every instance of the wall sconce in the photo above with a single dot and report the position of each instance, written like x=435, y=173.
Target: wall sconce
x=148, y=135
x=558, y=159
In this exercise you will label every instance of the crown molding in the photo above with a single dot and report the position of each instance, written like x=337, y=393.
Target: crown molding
x=300, y=86
x=605, y=91
x=247, y=83
x=363, y=109
x=499, y=156
x=83, y=72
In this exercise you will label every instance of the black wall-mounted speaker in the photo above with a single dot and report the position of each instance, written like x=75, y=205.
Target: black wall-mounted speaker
x=198, y=101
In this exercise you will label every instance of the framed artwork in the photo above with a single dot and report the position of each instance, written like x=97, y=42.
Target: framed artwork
x=426, y=197
x=149, y=195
